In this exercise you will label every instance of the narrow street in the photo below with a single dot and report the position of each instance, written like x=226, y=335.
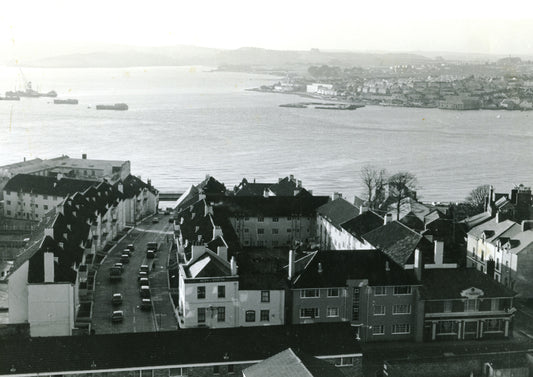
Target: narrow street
x=161, y=315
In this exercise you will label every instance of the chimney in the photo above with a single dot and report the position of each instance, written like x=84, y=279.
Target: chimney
x=439, y=253
x=217, y=231
x=49, y=232
x=48, y=267
x=387, y=266
x=120, y=187
x=222, y=252
x=280, y=179
x=296, y=192
x=336, y=195
x=265, y=193
x=84, y=156
x=527, y=225
x=292, y=177
x=197, y=251
x=299, y=184
x=418, y=264
x=291, y=264
x=233, y=266
x=498, y=217
x=59, y=176
x=320, y=269
x=24, y=158
x=310, y=192
x=387, y=218
x=363, y=208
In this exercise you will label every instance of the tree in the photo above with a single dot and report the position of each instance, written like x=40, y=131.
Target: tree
x=401, y=185
x=476, y=198
x=374, y=183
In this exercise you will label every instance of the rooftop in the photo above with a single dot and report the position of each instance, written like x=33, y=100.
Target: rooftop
x=166, y=348
x=338, y=211
x=37, y=184
x=362, y=224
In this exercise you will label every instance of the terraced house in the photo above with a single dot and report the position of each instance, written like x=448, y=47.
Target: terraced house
x=50, y=285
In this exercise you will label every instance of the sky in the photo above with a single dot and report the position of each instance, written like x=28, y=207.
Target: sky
x=497, y=27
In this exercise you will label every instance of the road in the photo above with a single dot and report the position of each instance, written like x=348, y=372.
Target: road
x=161, y=316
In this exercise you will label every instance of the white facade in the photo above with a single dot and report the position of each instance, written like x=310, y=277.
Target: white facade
x=51, y=309
x=265, y=312
x=28, y=206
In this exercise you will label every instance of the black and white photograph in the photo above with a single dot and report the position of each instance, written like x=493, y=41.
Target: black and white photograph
x=266, y=189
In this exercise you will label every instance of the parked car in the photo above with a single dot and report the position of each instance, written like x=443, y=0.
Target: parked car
x=143, y=281
x=119, y=265
x=127, y=251
x=142, y=274
x=155, y=220
x=131, y=247
x=125, y=258
x=152, y=246
x=144, y=291
x=150, y=254
x=117, y=316
x=144, y=268
x=146, y=304
x=116, y=299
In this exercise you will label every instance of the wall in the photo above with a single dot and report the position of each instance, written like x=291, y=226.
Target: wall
x=523, y=282
x=51, y=309
x=24, y=208
x=251, y=300
x=18, y=294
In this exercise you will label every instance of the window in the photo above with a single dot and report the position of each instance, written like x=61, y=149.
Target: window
x=260, y=231
x=471, y=305
x=221, y=314
x=401, y=328
x=494, y=325
x=333, y=312
x=380, y=291
x=401, y=309
x=201, y=315
x=260, y=219
x=379, y=310
x=289, y=218
x=447, y=306
x=446, y=327
x=246, y=218
x=200, y=292
x=275, y=219
x=275, y=243
x=309, y=313
x=355, y=304
x=378, y=330
x=265, y=315
x=8, y=202
x=402, y=290
x=8, y=212
x=45, y=206
x=231, y=369
x=8, y=192
x=265, y=296
x=333, y=292
x=343, y=361
x=216, y=369
x=250, y=316
x=221, y=291
x=289, y=230
x=498, y=264
x=45, y=197
x=37, y=206
x=246, y=230
x=275, y=231
x=307, y=293
x=246, y=242
x=55, y=198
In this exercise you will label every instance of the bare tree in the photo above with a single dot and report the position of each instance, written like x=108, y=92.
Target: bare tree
x=401, y=185
x=374, y=182
x=476, y=198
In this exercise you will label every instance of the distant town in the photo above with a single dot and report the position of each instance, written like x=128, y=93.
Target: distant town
x=506, y=84
x=258, y=277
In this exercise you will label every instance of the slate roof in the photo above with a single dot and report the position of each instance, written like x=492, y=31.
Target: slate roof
x=284, y=187
x=167, y=348
x=362, y=224
x=473, y=221
x=338, y=211
x=294, y=364
x=46, y=185
x=492, y=228
x=432, y=216
x=399, y=242
x=207, y=265
x=443, y=284
x=270, y=207
x=261, y=269
x=341, y=265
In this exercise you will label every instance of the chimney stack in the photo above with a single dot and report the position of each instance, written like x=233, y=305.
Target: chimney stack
x=418, y=264
x=84, y=156
x=48, y=267
x=387, y=218
x=265, y=193
x=527, y=225
x=291, y=264
x=233, y=266
x=222, y=252
x=320, y=269
x=439, y=253
x=336, y=195
x=387, y=266
x=299, y=184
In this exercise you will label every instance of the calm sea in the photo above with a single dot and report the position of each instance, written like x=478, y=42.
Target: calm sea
x=186, y=122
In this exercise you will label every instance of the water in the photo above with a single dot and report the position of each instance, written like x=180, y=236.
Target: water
x=185, y=122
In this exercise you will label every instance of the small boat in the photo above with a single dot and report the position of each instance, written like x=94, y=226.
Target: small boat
x=29, y=92
x=70, y=101
x=116, y=106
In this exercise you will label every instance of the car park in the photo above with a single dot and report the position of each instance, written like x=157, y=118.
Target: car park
x=117, y=316
x=146, y=304
x=116, y=299
x=125, y=258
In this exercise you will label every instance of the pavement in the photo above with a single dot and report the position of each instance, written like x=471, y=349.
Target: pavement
x=161, y=316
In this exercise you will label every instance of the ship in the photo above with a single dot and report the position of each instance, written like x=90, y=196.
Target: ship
x=116, y=106
x=10, y=98
x=69, y=101
x=30, y=92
